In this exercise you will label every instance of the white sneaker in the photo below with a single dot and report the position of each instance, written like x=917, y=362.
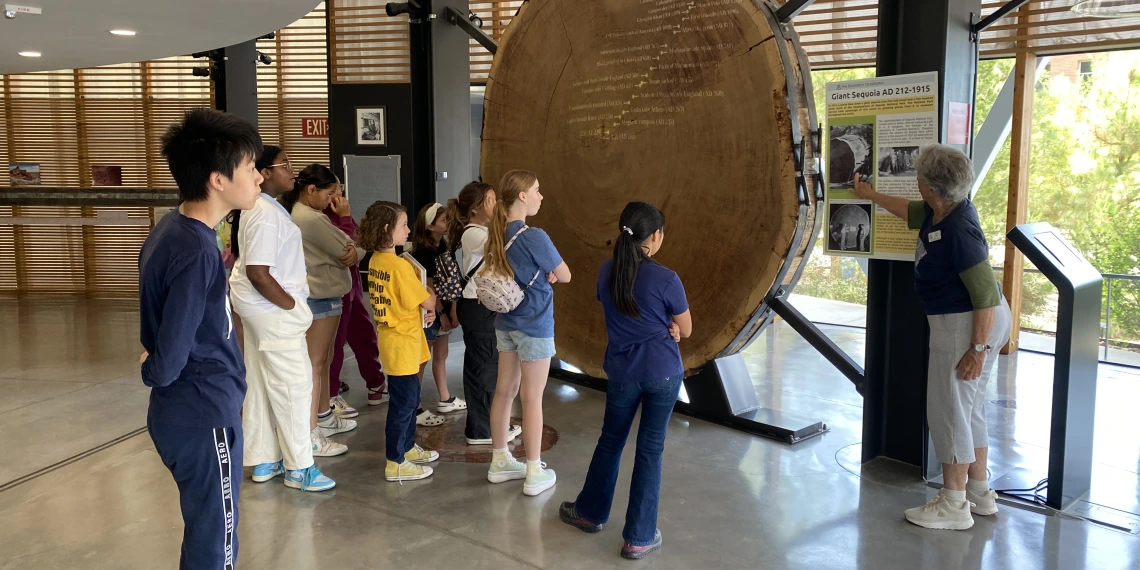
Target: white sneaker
x=538, y=480
x=503, y=470
x=324, y=447
x=455, y=405
x=428, y=419
x=938, y=513
x=511, y=435
x=342, y=409
x=983, y=505
x=335, y=424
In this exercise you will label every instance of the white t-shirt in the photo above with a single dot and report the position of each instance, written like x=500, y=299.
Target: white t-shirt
x=472, y=243
x=267, y=236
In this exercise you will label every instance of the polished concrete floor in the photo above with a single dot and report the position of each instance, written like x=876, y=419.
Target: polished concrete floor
x=69, y=374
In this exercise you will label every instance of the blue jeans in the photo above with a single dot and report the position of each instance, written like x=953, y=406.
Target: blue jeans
x=400, y=428
x=656, y=398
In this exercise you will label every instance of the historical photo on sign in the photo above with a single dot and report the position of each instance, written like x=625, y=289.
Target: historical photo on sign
x=897, y=161
x=850, y=148
x=371, y=128
x=849, y=227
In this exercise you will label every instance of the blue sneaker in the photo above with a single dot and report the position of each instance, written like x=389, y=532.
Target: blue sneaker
x=267, y=471
x=310, y=479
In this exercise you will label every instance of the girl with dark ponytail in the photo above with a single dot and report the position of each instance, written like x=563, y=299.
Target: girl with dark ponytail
x=647, y=315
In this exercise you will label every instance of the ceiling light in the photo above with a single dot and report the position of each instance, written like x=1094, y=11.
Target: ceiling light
x=31, y=53
x=123, y=32
x=1108, y=8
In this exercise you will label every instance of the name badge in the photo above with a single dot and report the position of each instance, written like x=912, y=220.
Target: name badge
x=934, y=236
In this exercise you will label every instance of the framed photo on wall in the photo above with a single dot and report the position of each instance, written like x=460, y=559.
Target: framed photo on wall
x=371, y=126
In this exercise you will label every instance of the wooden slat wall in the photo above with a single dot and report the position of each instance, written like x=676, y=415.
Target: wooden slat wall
x=842, y=33
x=1053, y=28
x=295, y=87
x=496, y=16
x=67, y=121
x=367, y=45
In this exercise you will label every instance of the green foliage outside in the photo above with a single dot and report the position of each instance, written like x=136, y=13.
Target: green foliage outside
x=1084, y=179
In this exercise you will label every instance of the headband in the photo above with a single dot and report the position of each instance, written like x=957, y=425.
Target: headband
x=431, y=213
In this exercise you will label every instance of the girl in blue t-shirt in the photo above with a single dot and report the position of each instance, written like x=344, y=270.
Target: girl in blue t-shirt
x=525, y=336
x=647, y=315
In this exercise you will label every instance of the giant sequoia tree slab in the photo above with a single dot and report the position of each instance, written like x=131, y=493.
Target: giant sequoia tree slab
x=695, y=106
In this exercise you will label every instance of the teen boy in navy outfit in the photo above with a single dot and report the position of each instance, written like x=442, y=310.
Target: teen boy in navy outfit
x=192, y=362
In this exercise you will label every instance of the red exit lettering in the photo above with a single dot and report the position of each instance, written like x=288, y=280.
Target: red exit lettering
x=315, y=128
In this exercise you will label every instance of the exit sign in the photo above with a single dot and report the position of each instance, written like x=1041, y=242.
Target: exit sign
x=315, y=128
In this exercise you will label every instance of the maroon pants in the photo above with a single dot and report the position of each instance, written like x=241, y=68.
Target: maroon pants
x=357, y=329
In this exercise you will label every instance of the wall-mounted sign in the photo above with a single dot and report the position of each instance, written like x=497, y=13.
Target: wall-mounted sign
x=315, y=128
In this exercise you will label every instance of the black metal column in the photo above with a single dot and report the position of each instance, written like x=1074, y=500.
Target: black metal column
x=423, y=107
x=914, y=36
x=240, y=90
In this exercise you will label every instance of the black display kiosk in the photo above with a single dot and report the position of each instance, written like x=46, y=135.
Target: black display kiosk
x=1074, y=374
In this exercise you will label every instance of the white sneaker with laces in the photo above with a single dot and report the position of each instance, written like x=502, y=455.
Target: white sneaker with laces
x=939, y=514
x=511, y=435
x=506, y=469
x=538, y=479
x=342, y=409
x=335, y=424
x=324, y=447
x=984, y=505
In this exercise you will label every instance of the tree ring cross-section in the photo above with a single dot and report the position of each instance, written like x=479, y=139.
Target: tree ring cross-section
x=703, y=108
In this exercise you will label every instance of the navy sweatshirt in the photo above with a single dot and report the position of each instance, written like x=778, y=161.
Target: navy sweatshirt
x=195, y=370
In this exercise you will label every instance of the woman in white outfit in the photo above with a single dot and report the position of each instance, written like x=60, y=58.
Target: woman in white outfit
x=268, y=290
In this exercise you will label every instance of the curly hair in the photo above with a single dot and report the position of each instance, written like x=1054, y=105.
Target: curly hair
x=375, y=232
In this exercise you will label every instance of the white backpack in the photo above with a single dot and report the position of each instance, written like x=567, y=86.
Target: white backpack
x=502, y=294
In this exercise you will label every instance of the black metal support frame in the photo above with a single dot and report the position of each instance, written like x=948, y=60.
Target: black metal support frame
x=454, y=18
x=791, y=9
x=820, y=342
x=997, y=15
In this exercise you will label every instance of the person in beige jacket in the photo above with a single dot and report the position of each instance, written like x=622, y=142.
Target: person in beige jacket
x=329, y=253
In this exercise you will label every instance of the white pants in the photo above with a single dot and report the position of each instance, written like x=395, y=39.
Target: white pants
x=956, y=409
x=278, y=400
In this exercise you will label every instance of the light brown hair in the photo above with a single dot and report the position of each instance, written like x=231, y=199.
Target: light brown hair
x=470, y=199
x=513, y=184
x=375, y=232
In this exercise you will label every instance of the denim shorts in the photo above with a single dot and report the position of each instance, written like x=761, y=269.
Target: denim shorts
x=325, y=308
x=432, y=333
x=528, y=347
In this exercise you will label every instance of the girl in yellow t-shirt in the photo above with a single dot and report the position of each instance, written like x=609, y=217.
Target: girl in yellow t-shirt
x=397, y=295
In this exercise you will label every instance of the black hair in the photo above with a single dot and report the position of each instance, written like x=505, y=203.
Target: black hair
x=207, y=141
x=317, y=175
x=268, y=156
x=639, y=221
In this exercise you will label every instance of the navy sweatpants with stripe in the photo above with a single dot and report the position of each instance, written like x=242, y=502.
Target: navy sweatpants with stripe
x=206, y=464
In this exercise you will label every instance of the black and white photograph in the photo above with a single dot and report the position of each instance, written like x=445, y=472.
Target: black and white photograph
x=850, y=154
x=849, y=227
x=371, y=127
x=897, y=160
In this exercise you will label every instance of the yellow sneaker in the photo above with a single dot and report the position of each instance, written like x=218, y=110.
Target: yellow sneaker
x=420, y=455
x=406, y=471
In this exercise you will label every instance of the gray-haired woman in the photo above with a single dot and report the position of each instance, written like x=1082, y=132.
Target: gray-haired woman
x=969, y=321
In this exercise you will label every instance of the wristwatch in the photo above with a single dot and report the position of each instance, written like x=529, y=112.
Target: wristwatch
x=981, y=347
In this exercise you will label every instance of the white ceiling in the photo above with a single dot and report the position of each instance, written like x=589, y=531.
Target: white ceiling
x=76, y=33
